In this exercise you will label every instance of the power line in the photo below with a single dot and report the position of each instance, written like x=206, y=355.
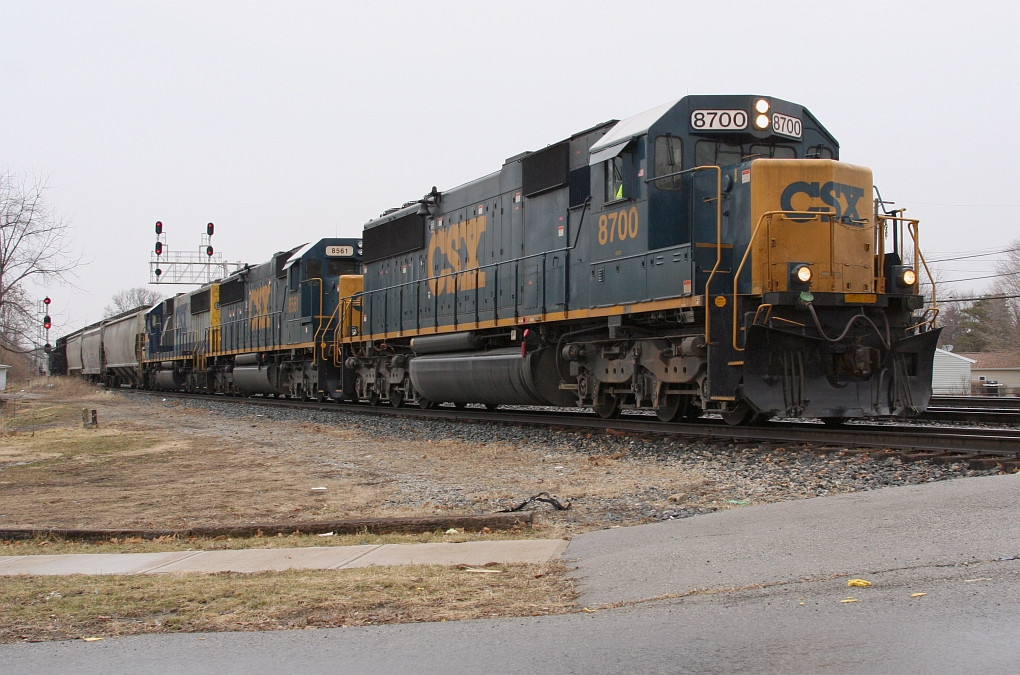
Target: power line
x=987, y=297
x=990, y=276
x=964, y=206
x=975, y=255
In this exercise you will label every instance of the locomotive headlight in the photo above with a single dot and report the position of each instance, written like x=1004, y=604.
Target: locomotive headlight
x=903, y=278
x=799, y=276
x=762, y=105
x=762, y=122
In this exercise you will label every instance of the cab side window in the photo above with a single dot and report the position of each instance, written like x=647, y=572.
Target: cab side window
x=668, y=154
x=615, y=187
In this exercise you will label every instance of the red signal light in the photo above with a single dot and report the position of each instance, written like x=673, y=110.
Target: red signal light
x=46, y=300
x=46, y=322
x=209, y=229
x=159, y=227
x=209, y=251
x=159, y=248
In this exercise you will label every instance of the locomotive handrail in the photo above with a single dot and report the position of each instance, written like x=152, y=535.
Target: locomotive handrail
x=912, y=229
x=718, y=243
x=765, y=217
x=317, y=312
x=370, y=296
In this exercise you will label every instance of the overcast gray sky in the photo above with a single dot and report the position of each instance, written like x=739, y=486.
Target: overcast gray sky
x=283, y=122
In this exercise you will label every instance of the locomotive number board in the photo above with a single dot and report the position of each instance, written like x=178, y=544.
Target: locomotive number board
x=340, y=251
x=719, y=120
x=784, y=125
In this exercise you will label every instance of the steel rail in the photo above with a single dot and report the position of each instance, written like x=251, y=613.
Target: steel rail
x=1003, y=443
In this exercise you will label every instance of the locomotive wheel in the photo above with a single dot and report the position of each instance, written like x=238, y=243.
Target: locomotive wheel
x=373, y=397
x=672, y=407
x=740, y=415
x=396, y=396
x=425, y=404
x=606, y=406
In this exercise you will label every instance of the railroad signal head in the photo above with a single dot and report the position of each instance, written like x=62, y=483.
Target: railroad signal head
x=209, y=229
x=159, y=273
x=46, y=322
x=209, y=251
x=46, y=300
x=159, y=227
x=159, y=248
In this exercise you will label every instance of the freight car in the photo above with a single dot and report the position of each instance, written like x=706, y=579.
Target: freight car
x=266, y=329
x=711, y=254
x=106, y=352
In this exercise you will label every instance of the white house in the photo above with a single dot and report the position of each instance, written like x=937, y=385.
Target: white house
x=950, y=375
x=3, y=377
x=1002, y=368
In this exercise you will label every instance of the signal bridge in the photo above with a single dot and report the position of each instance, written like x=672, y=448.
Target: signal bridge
x=187, y=267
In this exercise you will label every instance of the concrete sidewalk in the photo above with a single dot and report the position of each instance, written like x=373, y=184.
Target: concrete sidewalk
x=278, y=559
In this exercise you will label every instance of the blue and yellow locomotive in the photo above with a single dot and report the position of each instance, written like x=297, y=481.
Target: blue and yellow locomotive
x=265, y=329
x=711, y=254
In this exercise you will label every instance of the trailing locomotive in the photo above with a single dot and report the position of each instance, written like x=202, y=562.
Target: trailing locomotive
x=711, y=254
x=266, y=329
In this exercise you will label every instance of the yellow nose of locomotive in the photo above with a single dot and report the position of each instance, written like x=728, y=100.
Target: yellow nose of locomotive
x=813, y=226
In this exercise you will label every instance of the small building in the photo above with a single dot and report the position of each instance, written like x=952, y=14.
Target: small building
x=950, y=375
x=995, y=373
x=3, y=377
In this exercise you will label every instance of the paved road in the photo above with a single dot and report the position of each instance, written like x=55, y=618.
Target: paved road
x=770, y=600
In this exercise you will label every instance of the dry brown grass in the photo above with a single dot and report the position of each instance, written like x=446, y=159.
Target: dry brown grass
x=55, y=608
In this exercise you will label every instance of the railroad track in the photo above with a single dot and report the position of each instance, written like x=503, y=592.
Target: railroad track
x=977, y=409
x=978, y=446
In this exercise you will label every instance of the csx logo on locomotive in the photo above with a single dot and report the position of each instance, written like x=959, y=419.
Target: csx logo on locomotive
x=458, y=244
x=823, y=197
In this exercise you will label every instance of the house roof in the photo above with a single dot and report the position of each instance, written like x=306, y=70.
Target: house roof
x=945, y=354
x=995, y=360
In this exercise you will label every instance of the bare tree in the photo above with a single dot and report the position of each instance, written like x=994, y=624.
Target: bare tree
x=132, y=298
x=35, y=246
x=1008, y=286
